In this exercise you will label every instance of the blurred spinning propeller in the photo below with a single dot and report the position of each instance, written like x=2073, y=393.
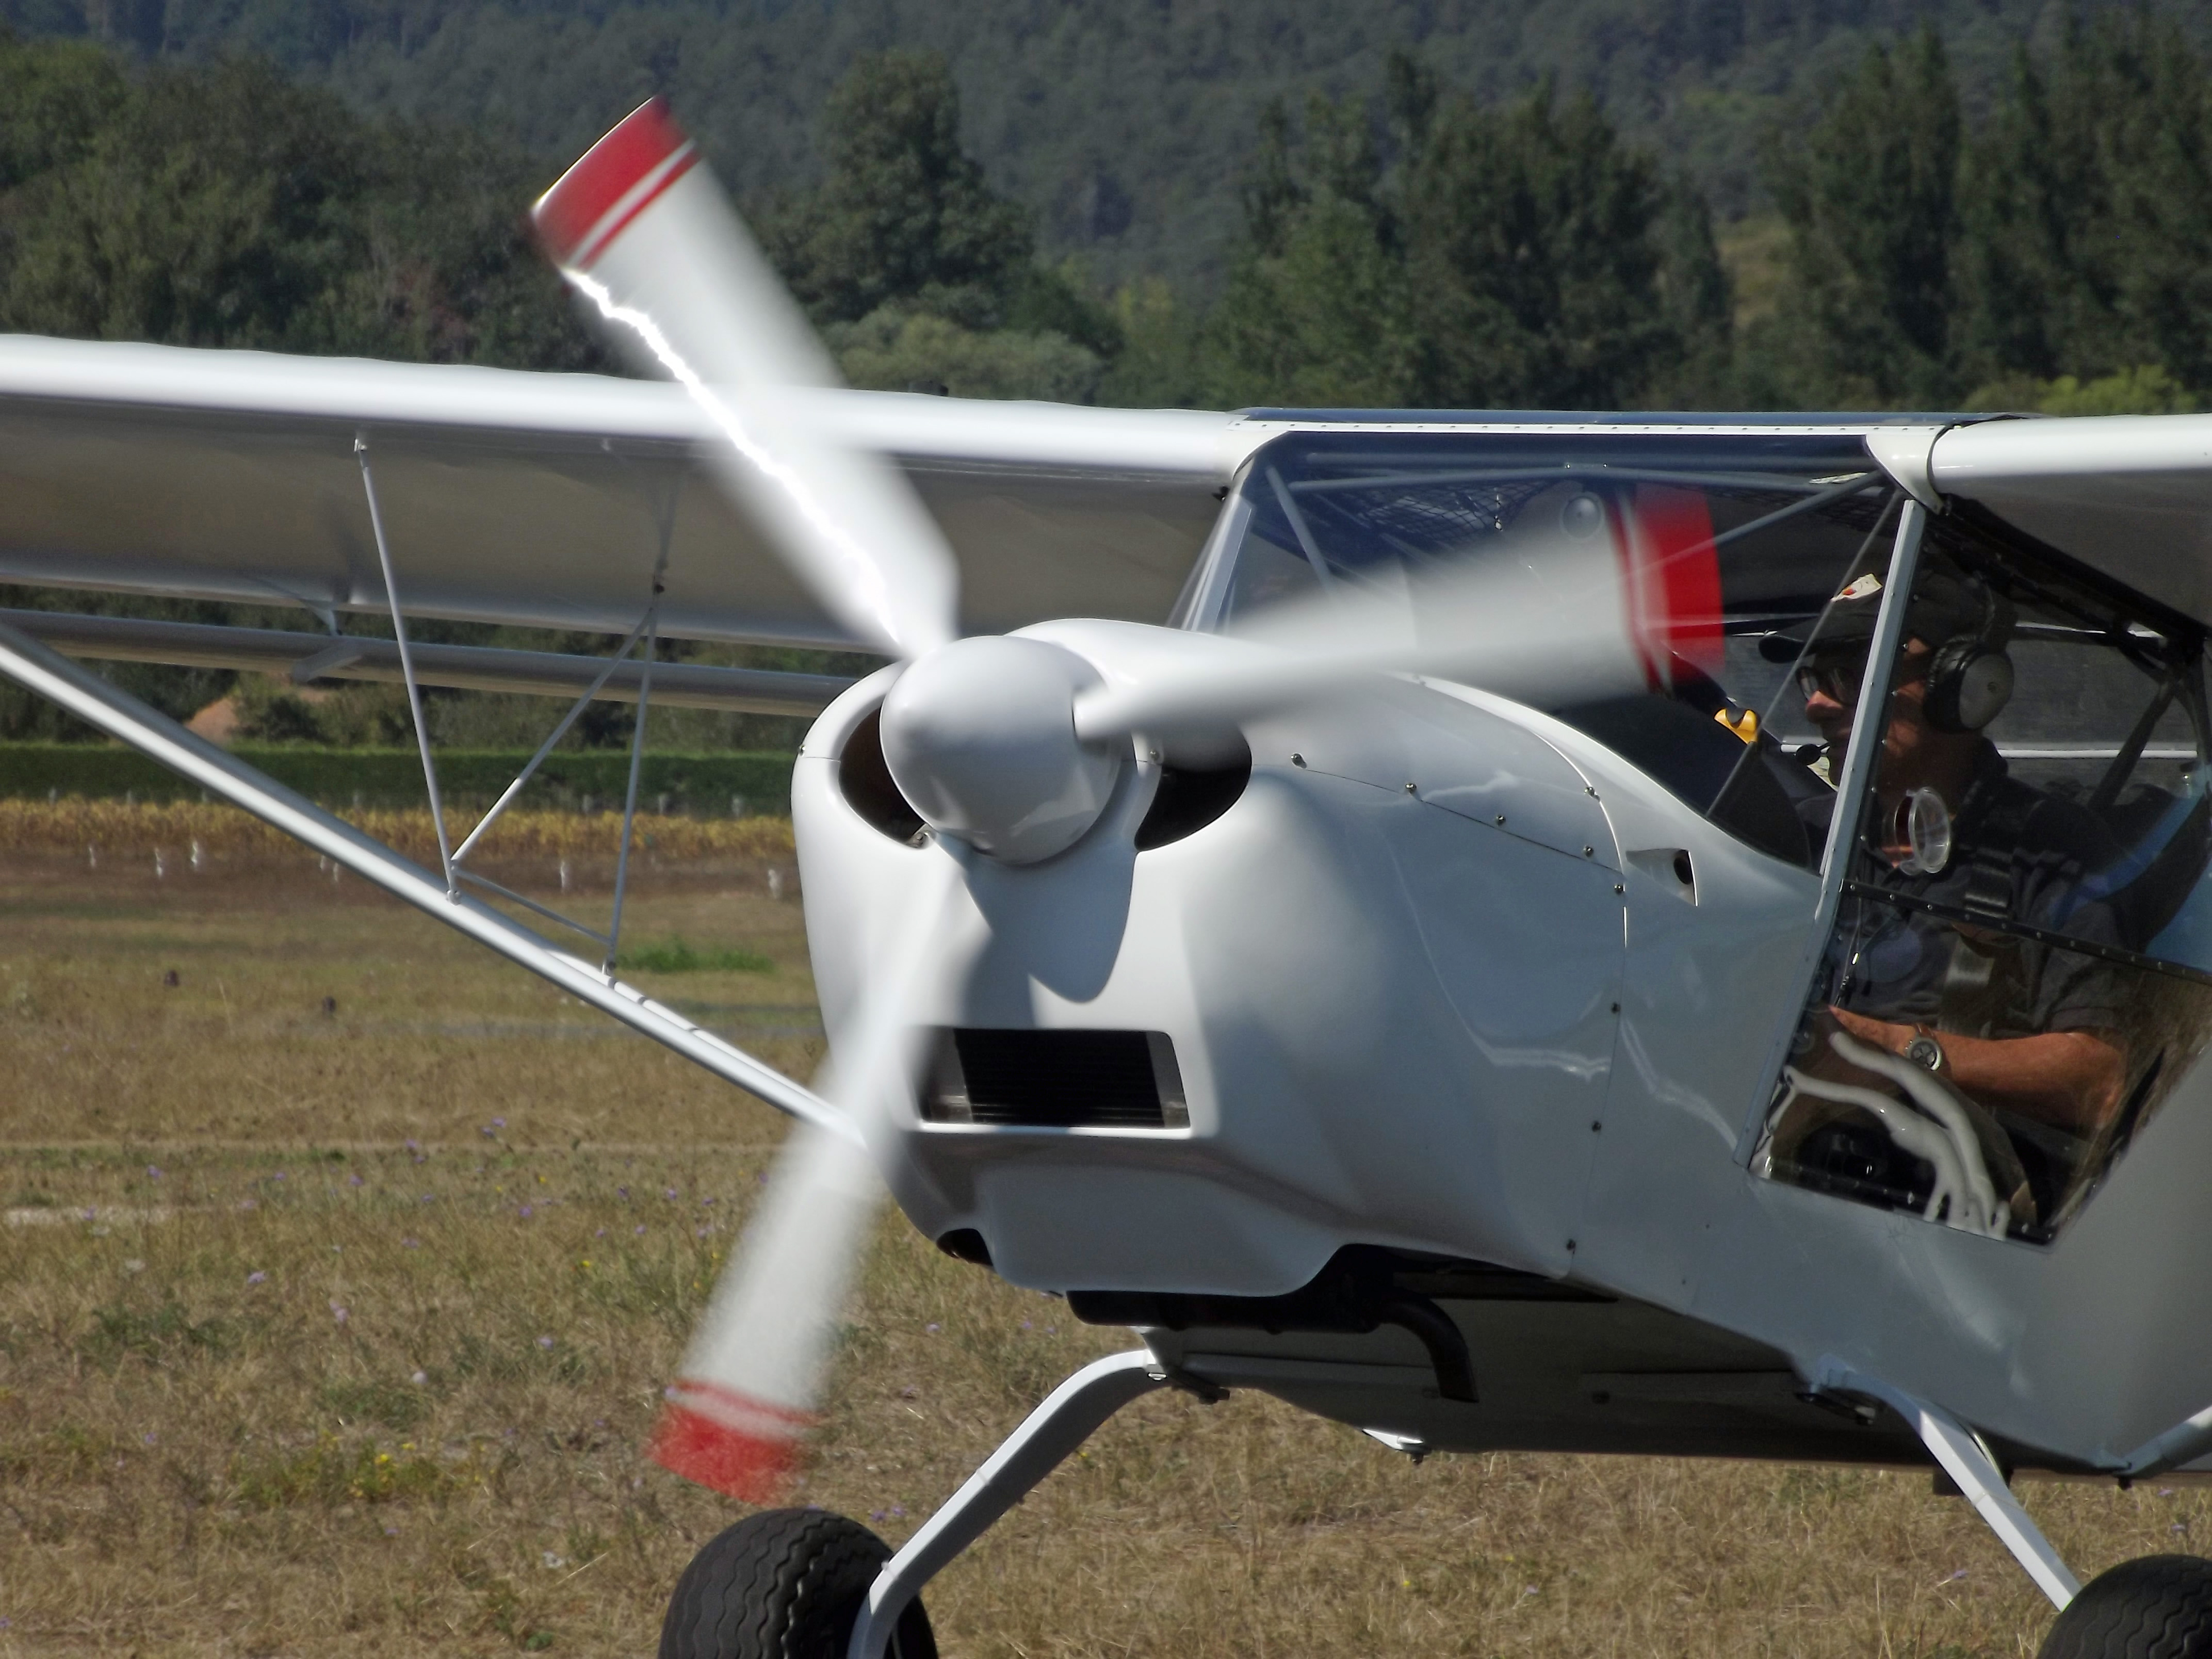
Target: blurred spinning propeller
x=1010, y=745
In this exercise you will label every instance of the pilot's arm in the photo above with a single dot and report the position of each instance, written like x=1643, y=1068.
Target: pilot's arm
x=2070, y=1078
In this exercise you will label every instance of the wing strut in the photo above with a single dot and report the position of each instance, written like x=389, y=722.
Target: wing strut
x=636, y=762
x=91, y=698
x=407, y=666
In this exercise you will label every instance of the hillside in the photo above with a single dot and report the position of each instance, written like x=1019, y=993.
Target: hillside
x=1123, y=124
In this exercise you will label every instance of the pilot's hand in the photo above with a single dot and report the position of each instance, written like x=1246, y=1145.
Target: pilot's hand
x=1882, y=1033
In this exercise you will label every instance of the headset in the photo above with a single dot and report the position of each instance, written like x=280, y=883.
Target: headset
x=1970, y=679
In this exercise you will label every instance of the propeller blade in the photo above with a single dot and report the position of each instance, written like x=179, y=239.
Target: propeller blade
x=1544, y=619
x=640, y=226
x=737, y=1418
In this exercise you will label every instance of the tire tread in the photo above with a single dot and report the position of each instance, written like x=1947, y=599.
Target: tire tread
x=782, y=1584
x=2156, y=1606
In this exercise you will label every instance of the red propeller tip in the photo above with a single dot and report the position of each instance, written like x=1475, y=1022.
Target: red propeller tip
x=617, y=179
x=719, y=1438
x=1677, y=576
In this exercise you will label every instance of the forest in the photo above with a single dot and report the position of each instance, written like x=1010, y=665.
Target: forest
x=1921, y=232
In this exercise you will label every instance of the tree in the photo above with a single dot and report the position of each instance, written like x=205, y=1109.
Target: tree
x=1520, y=257
x=2088, y=212
x=225, y=207
x=1314, y=314
x=1698, y=300
x=1870, y=196
x=904, y=213
x=1534, y=258
x=921, y=276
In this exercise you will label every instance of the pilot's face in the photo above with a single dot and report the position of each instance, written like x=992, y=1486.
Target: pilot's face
x=1908, y=743
x=1832, y=681
x=1914, y=753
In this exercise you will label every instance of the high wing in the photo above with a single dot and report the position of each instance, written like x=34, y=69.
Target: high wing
x=550, y=499
x=540, y=499
x=2131, y=495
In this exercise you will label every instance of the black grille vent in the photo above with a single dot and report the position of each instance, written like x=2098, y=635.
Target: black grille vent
x=1056, y=1080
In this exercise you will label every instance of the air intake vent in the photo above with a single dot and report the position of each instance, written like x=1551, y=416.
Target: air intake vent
x=1056, y=1080
x=865, y=778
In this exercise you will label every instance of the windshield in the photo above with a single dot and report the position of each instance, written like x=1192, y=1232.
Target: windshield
x=1788, y=517
x=2017, y=977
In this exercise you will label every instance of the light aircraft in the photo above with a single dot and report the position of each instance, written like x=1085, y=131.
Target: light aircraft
x=1611, y=934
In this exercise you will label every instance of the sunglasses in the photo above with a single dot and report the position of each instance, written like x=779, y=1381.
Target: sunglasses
x=1841, y=677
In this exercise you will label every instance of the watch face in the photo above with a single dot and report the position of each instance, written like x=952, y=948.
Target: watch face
x=1924, y=1051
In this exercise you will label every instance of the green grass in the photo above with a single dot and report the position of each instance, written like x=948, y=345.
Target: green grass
x=673, y=956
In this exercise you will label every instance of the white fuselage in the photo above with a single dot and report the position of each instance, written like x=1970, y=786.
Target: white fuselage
x=1435, y=983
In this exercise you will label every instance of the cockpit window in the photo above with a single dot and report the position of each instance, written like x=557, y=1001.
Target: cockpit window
x=1787, y=519
x=2020, y=969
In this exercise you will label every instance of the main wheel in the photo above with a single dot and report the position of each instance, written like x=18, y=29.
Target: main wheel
x=2157, y=1606
x=784, y=1585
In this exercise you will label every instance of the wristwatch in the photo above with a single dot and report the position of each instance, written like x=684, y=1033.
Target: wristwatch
x=1926, y=1052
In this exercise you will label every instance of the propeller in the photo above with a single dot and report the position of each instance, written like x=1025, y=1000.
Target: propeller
x=1543, y=617
x=640, y=228
x=1011, y=746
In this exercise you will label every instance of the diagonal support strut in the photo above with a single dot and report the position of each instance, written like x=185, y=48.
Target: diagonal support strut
x=1967, y=1460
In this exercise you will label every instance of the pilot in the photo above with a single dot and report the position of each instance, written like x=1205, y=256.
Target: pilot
x=2007, y=1018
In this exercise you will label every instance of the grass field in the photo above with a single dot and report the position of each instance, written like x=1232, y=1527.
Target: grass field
x=334, y=1329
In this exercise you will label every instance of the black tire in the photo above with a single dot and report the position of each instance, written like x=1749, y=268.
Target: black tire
x=784, y=1585
x=2157, y=1606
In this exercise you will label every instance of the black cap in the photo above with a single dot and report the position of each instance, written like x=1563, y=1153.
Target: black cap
x=1946, y=604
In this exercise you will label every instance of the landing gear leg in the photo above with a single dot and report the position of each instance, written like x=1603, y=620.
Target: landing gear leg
x=1068, y=1417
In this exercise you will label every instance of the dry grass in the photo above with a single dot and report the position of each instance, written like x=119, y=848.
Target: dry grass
x=78, y=825
x=199, y=1454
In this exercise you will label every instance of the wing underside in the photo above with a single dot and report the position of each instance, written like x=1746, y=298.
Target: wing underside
x=551, y=500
